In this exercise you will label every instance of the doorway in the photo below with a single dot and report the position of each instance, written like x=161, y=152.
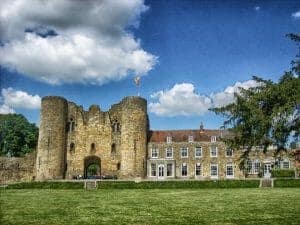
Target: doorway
x=267, y=170
x=92, y=167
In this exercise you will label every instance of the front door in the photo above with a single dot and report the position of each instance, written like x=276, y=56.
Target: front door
x=161, y=171
x=267, y=170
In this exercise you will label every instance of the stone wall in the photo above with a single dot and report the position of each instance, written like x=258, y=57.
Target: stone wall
x=14, y=169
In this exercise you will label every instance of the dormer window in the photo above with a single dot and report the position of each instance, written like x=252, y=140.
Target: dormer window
x=213, y=138
x=191, y=139
x=169, y=139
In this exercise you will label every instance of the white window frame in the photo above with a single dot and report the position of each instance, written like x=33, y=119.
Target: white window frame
x=227, y=149
x=187, y=169
x=279, y=163
x=251, y=166
x=213, y=139
x=169, y=148
x=172, y=170
x=152, y=151
x=211, y=151
x=199, y=147
x=230, y=176
x=163, y=171
x=286, y=161
x=191, y=139
x=151, y=169
x=256, y=170
x=169, y=139
x=198, y=164
x=187, y=152
x=214, y=176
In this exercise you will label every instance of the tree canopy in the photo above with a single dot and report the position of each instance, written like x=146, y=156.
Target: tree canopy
x=17, y=135
x=265, y=115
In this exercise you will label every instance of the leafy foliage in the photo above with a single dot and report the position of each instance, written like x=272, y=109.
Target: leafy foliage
x=266, y=115
x=287, y=183
x=17, y=135
x=46, y=185
x=178, y=184
x=283, y=173
x=92, y=169
x=296, y=63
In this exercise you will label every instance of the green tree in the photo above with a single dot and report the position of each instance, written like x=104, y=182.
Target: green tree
x=266, y=115
x=296, y=62
x=17, y=135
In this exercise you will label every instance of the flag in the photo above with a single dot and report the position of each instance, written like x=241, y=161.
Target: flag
x=137, y=80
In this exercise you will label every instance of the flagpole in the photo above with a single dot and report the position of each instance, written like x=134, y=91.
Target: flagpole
x=139, y=86
x=137, y=81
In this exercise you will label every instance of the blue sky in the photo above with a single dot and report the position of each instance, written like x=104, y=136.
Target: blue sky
x=191, y=55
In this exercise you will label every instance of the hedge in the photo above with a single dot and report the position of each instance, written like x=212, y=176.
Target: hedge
x=178, y=184
x=47, y=185
x=140, y=185
x=283, y=173
x=287, y=183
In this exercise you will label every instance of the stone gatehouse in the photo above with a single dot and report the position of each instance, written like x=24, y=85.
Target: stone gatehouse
x=118, y=143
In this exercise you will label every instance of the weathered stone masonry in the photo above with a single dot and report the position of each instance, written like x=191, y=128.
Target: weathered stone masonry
x=14, y=169
x=71, y=138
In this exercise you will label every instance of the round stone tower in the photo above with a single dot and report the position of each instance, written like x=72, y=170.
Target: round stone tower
x=51, y=151
x=134, y=130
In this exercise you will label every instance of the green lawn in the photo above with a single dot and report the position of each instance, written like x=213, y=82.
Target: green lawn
x=151, y=206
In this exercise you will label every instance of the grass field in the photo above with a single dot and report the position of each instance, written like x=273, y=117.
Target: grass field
x=152, y=206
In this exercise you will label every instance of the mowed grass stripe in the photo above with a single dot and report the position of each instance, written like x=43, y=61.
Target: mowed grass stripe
x=151, y=206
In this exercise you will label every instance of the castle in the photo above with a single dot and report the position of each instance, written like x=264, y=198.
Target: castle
x=118, y=143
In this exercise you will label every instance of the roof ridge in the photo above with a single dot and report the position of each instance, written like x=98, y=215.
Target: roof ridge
x=186, y=130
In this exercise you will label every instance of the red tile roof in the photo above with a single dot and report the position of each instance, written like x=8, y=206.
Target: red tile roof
x=182, y=135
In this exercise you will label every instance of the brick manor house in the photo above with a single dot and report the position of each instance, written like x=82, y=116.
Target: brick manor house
x=119, y=143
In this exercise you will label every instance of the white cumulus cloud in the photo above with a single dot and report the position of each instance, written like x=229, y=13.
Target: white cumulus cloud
x=13, y=99
x=4, y=109
x=179, y=100
x=182, y=99
x=73, y=41
x=225, y=97
x=296, y=15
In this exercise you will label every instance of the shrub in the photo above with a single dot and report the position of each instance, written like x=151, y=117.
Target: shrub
x=46, y=185
x=283, y=173
x=141, y=185
x=178, y=184
x=287, y=183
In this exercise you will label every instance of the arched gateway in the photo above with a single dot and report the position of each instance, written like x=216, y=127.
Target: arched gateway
x=92, y=166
